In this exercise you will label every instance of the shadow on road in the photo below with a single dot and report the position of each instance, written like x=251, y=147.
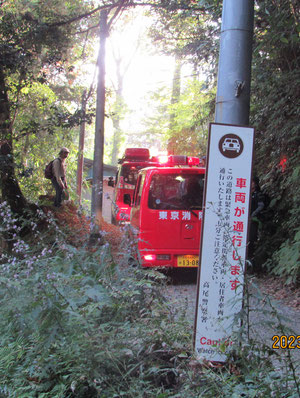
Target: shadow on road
x=181, y=276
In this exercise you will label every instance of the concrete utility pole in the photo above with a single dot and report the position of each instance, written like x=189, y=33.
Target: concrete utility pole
x=97, y=190
x=234, y=76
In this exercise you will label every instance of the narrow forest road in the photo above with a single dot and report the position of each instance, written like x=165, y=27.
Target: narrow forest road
x=106, y=201
x=264, y=324
x=266, y=294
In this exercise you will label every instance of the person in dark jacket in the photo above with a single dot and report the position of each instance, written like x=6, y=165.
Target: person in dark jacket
x=59, y=180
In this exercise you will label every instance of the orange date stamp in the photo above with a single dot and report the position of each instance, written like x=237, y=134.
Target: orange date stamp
x=285, y=342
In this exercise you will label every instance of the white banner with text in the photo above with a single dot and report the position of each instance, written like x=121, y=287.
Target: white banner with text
x=224, y=238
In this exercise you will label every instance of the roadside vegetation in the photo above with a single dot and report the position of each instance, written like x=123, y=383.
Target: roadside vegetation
x=76, y=321
x=43, y=77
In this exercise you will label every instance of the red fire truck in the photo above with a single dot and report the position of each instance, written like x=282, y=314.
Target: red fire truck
x=134, y=159
x=166, y=213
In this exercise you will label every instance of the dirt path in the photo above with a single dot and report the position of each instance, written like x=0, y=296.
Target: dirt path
x=274, y=295
x=264, y=324
x=106, y=202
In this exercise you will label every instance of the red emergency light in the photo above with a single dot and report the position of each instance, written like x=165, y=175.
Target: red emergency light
x=137, y=153
x=173, y=160
x=178, y=160
x=193, y=161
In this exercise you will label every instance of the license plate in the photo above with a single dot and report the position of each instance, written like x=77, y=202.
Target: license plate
x=187, y=261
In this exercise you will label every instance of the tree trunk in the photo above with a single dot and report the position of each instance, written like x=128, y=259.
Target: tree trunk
x=81, y=149
x=11, y=192
x=97, y=190
x=174, y=99
x=116, y=139
x=116, y=118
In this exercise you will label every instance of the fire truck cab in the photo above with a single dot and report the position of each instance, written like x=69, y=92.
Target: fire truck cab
x=134, y=159
x=166, y=213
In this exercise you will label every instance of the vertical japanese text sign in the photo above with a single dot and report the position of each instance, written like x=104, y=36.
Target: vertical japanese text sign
x=224, y=238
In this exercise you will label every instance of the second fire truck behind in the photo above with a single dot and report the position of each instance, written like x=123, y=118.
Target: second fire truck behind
x=134, y=159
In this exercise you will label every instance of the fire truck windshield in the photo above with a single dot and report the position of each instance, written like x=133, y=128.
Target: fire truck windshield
x=130, y=173
x=176, y=191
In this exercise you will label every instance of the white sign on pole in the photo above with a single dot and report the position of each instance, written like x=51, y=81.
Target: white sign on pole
x=224, y=238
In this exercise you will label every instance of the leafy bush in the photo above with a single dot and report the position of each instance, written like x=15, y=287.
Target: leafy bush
x=288, y=259
x=74, y=323
x=70, y=317
x=275, y=115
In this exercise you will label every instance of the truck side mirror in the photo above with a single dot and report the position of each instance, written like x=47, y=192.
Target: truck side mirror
x=127, y=199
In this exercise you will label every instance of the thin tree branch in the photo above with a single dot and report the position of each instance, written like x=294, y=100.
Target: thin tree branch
x=86, y=15
x=120, y=4
x=118, y=10
x=185, y=8
x=80, y=32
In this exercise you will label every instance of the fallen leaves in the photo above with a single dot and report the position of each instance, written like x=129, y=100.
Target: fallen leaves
x=275, y=287
x=78, y=226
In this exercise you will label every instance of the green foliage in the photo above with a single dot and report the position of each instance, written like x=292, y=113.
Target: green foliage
x=287, y=259
x=190, y=120
x=118, y=111
x=43, y=125
x=191, y=31
x=29, y=37
x=275, y=114
x=71, y=320
x=156, y=125
x=37, y=44
x=75, y=324
x=69, y=315
x=191, y=115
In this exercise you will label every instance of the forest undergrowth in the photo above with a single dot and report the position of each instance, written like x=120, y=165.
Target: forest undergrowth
x=76, y=321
